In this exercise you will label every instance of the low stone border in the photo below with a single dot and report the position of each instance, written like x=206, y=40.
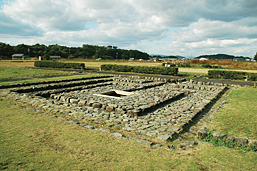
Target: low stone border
x=243, y=141
x=168, y=107
x=51, y=82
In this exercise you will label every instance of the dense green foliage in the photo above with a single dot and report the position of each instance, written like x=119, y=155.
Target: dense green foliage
x=183, y=65
x=224, y=143
x=86, y=51
x=54, y=64
x=233, y=75
x=140, y=69
x=210, y=66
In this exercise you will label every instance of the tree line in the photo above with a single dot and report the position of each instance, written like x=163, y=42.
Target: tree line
x=86, y=51
x=223, y=57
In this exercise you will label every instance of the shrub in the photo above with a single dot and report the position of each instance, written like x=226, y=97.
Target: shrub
x=183, y=65
x=224, y=143
x=252, y=77
x=140, y=69
x=206, y=66
x=233, y=75
x=54, y=64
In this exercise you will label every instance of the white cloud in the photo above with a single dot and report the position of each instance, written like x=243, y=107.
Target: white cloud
x=155, y=26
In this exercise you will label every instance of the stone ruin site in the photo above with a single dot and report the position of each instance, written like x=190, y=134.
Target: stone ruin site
x=149, y=107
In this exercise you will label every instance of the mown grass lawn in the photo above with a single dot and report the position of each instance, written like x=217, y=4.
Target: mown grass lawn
x=56, y=78
x=35, y=141
x=25, y=72
x=31, y=140
x=238, y=117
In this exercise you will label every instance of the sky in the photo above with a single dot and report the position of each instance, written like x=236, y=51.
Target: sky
x=167, y=27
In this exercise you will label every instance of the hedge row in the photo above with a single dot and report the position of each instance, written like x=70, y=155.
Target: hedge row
x=140, y=69
x=166, y=64
x=54, y=64
x=233, y=75
x=210, y=66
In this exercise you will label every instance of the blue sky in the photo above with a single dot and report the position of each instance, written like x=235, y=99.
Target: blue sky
x=167, y=27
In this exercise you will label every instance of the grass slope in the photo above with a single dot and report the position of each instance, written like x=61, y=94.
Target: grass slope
x=36, y=141
x=56, y=78
x=25, y=72
x=238, y=117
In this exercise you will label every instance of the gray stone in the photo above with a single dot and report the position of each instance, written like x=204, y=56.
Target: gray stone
x=74, y=101
x=89, y=126
x=109, y=108
x=158, y=145
x=173, y=129
x=82, y=102
x=97, y=105
x=231, y=139
x=202, y=133
x=242, y=141
x=183, y=147
x=170, y=133
x=164, y=137
x=129, y=129
x=254, y=143
x=102, y=129
x=151, y=134
x=117, y=135
x=140, y=140
x=218, y=135
x=191, y=143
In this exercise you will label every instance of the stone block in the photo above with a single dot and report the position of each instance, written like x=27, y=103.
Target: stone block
x=254, y=143
x=97, y=105
x=109, y=108
x=173, y=129
x=164, y=137
x=82, y=102
x=218, y=135
x=191, y=143
x=231, y=139
x=117, y=135
x=202, y=133
x=242, y=141
x=74, y=101
x=135, y=112
x=182, y=147
x=151, y=134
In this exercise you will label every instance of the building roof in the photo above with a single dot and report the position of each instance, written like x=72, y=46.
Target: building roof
x=55, y=56
x=18, y=55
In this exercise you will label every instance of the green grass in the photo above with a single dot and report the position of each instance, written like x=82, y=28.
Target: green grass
x=36, y=141
x=238, y=117
x=25, y=72
x=49, y=79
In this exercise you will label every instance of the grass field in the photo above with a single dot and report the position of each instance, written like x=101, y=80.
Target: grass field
x=36, y=141
x=24, y=72
x=97, y=64
x=31, y=140
x=48, y=79
x=238, y=117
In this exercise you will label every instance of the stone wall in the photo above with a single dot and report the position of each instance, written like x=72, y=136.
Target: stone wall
x=155, y=110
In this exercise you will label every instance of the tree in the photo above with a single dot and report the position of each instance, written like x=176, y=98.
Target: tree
x=5, y=51
x=46, y=57
x=22, y=49
x=255, y=57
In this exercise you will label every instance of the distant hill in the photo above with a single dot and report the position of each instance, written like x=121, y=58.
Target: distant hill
x=224, y=57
